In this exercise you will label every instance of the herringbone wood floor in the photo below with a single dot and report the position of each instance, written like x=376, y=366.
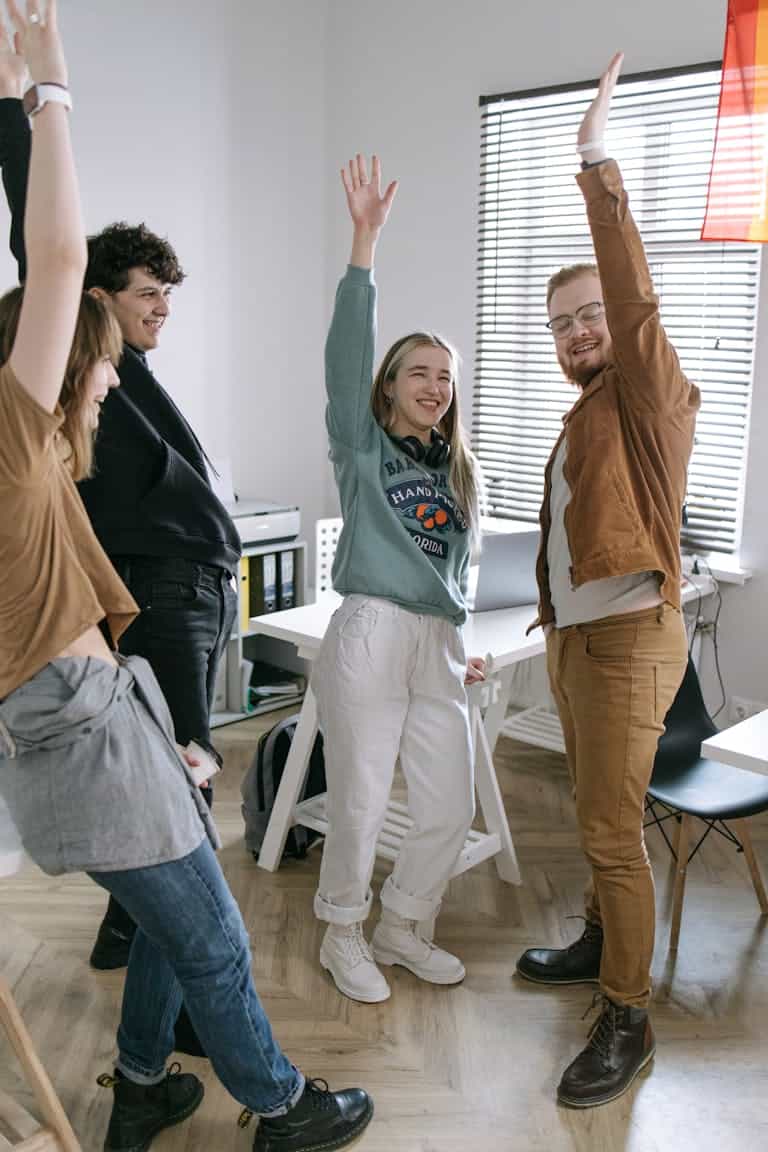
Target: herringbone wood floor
x=472, y=1067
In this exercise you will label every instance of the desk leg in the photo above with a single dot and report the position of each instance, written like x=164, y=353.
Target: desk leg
x=294, y=775
x=496, y=711
x=491, y=802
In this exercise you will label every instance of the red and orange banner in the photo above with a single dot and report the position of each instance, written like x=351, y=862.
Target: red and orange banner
x=737, y=203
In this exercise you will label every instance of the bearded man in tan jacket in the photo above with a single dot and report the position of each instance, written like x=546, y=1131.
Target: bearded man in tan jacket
x=609, y=582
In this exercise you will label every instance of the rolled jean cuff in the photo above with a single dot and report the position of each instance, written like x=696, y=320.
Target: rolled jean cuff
x=406, y=906
x=138, y=1075
x=342, y=914
x=292, y=1100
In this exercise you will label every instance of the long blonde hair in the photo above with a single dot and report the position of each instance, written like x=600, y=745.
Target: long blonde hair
x=97, y=335
x=464, y=474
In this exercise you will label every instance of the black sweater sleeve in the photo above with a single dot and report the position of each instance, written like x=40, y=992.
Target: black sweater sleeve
x=15, y=139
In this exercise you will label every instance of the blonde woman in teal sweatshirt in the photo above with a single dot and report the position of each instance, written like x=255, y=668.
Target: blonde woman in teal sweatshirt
x=390, y=677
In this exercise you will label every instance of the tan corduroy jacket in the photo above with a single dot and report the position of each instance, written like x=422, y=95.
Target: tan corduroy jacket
x=630, y=433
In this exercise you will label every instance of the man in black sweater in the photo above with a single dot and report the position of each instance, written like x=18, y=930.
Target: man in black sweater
x=149, y=499
x=152, y=506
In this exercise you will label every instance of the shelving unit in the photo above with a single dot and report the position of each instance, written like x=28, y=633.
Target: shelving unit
x=537, y=726
x=478, y=846
x=229, y=703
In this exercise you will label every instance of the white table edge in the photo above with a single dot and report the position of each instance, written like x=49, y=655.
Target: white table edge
x=728, y=745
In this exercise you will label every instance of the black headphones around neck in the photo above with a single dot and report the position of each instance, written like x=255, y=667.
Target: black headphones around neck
x=433, y=454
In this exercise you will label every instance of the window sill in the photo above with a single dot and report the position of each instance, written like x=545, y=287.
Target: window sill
x=725, y=569
x=500, y=524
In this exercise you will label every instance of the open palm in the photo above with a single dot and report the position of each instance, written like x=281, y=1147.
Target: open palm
x=367, y=207
x=596, y=117
x=36, y=38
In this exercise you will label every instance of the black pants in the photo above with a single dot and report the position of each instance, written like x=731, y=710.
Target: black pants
x=187, y=613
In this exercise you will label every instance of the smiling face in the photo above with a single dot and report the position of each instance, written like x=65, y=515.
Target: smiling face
x=141, y=308
x=421, y=391
x=101, y=377
x=585, y=350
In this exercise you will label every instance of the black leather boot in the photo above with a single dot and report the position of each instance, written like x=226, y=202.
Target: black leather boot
x=579, y=963
x=140, y=1111
x=114, y=938
x=620, y=1044
x=320, y=1119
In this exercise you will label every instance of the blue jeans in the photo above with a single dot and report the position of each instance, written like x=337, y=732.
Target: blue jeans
x=187, y=613
x=192, y=946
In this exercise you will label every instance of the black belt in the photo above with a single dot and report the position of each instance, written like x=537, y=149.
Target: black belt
x=171, y=566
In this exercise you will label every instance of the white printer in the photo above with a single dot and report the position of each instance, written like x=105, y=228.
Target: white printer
x=262, y=522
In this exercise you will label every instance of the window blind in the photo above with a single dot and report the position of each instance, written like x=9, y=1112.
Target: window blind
x=532, y=221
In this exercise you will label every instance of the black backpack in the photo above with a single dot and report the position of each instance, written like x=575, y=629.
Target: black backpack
x=262, y=780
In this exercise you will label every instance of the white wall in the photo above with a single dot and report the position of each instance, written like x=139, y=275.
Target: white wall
x=405, y=80
x=744, y=618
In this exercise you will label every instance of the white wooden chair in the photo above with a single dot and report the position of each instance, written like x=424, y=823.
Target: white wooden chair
x=327, y=534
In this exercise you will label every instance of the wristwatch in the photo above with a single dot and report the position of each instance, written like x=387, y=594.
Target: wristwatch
x=39, y=95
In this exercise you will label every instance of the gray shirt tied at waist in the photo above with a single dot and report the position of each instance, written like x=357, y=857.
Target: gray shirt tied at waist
x=90, y=771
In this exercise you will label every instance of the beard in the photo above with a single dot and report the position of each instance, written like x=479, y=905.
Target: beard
x=581, y=377
x=580, y=374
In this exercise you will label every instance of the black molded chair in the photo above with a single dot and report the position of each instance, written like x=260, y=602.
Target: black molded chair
x=685, y=786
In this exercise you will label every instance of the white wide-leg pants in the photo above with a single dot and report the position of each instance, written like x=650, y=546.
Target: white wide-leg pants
x=389, y=683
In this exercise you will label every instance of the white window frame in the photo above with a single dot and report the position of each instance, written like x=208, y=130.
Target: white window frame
x=532, y=221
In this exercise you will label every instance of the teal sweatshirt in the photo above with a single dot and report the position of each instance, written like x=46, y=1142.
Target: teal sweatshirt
x=404, y=537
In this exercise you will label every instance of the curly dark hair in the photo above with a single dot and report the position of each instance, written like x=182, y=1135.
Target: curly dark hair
x=113, y=252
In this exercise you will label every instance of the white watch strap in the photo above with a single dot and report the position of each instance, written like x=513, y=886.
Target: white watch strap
x=590, y=146
x=51, y=94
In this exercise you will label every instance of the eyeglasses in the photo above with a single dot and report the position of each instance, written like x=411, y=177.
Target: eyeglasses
x=588, y=314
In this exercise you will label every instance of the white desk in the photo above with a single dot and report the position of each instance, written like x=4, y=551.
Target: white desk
x=745, y=745
x=502, y=634
x=497, y=636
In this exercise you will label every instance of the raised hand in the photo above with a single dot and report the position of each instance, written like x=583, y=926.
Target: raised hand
x=13, y=68
x=367, y=207
x=37, y=40
x=592, y=128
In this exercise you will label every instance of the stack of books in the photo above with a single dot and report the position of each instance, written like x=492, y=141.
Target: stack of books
x=273, y=687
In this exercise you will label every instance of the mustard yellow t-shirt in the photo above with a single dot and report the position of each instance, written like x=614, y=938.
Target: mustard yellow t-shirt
x=55, y=578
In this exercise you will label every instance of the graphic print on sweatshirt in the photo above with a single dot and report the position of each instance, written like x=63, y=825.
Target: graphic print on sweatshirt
x=426, y=505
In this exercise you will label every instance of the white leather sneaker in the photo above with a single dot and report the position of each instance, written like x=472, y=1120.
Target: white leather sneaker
x=346, y=955
x=396, y=941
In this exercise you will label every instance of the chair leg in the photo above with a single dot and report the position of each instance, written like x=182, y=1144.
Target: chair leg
x=54, y=1116
x=683, y=836
x=676, y=837
x=741, y=828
